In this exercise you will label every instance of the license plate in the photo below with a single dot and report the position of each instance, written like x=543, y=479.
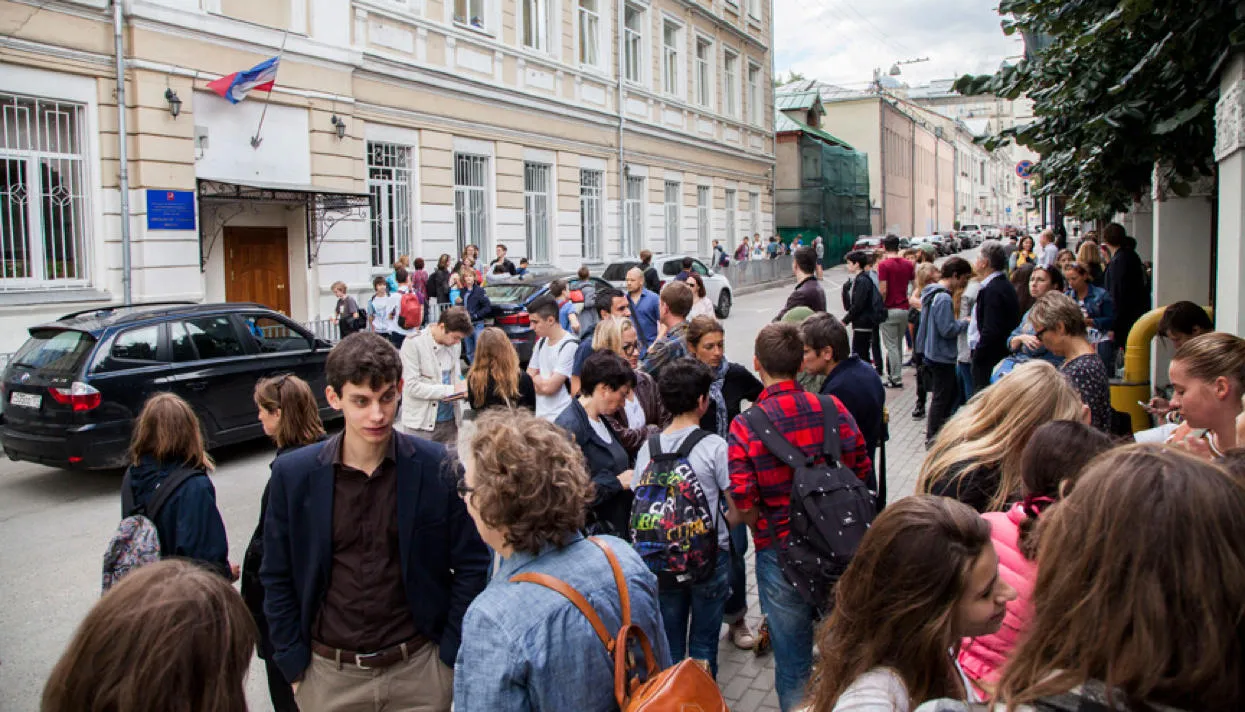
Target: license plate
x=26, y=400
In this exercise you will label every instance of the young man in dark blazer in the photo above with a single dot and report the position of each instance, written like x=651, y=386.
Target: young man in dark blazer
x=997, y=312
x=370, y=556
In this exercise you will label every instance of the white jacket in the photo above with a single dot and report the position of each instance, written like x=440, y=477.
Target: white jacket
x=423, y=390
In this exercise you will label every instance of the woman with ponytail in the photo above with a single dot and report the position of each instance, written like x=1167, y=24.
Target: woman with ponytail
x=1052, y=460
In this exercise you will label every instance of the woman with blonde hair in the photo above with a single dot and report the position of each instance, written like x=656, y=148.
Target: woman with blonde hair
x=976, y=457
x=495, y=379
x=1137, y=605
x=169, y=637
x=1089, y=255
x=1208, y=379
x=643, y=406
x=290, y=416
x=167, y=449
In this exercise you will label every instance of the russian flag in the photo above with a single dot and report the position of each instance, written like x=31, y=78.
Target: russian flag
x=236, y=86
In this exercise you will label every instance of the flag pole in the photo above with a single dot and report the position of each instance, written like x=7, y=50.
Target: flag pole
x=256, y=140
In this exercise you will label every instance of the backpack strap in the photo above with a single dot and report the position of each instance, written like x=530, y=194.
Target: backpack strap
x=775, y=442
x=654, y=446
x=691, y=441
x=167, y=488
x=127, y=494
x=831, y=447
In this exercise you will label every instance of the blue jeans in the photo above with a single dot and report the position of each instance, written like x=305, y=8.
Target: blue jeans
x=792, y=623
x=469, y=343
x=964, y=378
x=737, y=604
x=702, y=605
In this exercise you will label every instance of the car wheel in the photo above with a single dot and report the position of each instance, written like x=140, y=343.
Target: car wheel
x=724, y=304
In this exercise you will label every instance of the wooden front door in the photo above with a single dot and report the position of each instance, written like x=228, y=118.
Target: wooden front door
x=257, y=266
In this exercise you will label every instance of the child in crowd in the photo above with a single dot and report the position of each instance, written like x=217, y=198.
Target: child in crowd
x=347, y=314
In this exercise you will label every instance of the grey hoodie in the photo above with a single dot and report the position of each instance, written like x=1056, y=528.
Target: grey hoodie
x=939, y=328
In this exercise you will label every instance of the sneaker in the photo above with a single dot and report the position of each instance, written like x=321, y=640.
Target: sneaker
x=741, y=636
x=762, y=646
x=918, y=414
x=894, y=384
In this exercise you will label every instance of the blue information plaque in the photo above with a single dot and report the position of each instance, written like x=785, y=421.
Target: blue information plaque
x=170, y=209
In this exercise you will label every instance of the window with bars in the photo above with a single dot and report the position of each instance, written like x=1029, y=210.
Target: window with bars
x=591, y=221
x=633, y=43
x=536, y=211
x=389, y=183
x=589, y=33
x=471, y=200
x=671, y=34
x=754, y=212
x=703, y=202
x=704, y=54
x=672, y=216
x=754, y=94
x=730, y=84
x=730, y=216
x=42, y=194
x=470, y=13
x=633, y=235
x=535, y=16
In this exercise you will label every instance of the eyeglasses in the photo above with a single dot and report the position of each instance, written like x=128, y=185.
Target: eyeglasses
x=464, y=489
x=1039, y=333
x=631, y=348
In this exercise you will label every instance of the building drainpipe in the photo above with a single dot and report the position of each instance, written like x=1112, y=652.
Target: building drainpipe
x=123, y=152
x=912, y=177
x=622, y=124
x=882, y=151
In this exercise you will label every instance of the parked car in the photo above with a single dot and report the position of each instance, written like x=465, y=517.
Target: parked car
x=73, y=390
x=930, y=244
x=717, y=286
x=972, y=232
x=868, y=244
x=510, y=297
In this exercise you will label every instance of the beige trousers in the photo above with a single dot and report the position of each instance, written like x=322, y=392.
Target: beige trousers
x=422, y=683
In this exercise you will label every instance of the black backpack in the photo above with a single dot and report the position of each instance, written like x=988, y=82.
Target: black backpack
x=543, y=342
x=831, y=508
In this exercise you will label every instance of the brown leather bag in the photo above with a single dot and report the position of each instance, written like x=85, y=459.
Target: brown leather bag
x=685, y=687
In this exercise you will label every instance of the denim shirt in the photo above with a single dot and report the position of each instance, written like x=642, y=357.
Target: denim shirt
x=1025, y=327
x=525, y=647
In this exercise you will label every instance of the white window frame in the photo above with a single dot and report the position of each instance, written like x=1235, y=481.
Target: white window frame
x=754, y=9
x=673, y=190
x=390, y=183
x=591, y=214
x=702, y=75
x=635, y=54
x=485, y=25
x=704, y=207
x=590, y=32
x=754, y=94
x=538, y=211
x=732, y=202
x=672, y=83
x=730, y=83
x=472, y=223
x=634, y=206
x=36, y=131
x=539, y=26
x=754, y=209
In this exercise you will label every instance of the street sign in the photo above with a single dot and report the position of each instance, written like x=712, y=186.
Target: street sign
x=1024, y=169
x=170, y=209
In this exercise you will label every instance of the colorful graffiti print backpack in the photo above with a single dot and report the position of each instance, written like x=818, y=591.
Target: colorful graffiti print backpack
x=137, y=542
x=672, y=526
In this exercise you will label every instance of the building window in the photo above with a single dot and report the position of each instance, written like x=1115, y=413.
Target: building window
x=535, y=24
x=589, y=33
x=42, y=194
x=591, y=223
x=730, y=216
x=672, y=216
x=754, y=9
x=671, y=35
x=730, y=84
x=633, y=235
x=471, y=200
x=536, y=211
x=754, y=210
x=470, y=13
x=754, y=94
x=703, y=204
x=633, y=47
x=704, y=54
x=389, y=183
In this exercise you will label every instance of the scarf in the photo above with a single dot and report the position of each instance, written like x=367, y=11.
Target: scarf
x=719, y=401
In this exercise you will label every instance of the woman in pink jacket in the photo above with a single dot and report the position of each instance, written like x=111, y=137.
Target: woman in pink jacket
x=1056, y=454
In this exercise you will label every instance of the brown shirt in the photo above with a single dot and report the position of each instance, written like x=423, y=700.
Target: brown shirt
x=365, y=608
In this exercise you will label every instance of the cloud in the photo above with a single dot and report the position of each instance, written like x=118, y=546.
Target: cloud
x=842, y=41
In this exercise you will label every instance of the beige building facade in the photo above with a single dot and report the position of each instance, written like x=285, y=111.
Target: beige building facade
x=572, y=131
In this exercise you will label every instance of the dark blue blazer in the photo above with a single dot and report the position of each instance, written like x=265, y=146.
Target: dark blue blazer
x=858, y=387
x=444, y=562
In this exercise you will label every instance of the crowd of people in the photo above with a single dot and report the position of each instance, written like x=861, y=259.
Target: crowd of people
x=493, y=539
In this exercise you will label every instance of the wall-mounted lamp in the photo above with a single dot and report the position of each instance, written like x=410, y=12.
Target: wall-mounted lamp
x=626, y=170
x=175, y=104
x=340, y=125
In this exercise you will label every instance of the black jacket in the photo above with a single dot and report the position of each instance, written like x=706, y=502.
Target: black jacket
x=1126, y=282
x=857, y=386
x=444, y=563
x=859, y=303
x=652, y=282
x=611, y=505
x=478, y=305
x=189, y=524
x=505, y=266
x=998, y=313
x=439, y=285
x=738, y=385
x=526, y=399
x=807, y=293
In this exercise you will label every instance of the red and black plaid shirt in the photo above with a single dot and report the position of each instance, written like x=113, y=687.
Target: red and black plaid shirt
x=757, y=477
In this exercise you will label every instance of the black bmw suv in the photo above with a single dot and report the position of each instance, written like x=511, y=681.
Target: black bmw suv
x=72, y=392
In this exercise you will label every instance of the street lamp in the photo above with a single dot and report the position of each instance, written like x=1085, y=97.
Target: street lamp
x=175, y=103
x=895, y=71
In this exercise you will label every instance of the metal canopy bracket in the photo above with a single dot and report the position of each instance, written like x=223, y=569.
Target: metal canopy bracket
x=324, y=209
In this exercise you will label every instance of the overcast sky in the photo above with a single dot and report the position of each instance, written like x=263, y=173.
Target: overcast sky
x=841, y=41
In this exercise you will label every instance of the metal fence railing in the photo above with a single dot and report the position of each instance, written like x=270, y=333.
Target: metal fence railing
x=751, y=272
x=327, y=328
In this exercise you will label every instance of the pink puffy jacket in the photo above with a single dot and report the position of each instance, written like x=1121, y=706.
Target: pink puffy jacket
x=983, y=658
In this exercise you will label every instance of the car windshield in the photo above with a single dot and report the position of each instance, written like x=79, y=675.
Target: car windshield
x=617, y=272
x=57, y=352
x=511, y=293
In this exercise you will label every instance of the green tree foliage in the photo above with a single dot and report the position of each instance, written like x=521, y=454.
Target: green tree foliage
x=1116, y=85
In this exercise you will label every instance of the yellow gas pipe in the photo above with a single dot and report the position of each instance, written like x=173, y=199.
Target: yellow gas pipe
x=1134, y=386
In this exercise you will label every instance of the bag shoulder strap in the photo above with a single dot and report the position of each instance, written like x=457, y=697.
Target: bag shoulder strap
x=166, y=489
x=575, y=597
x=831, y=447
x=775, y=442
x=654, y=446
x=127, y=494
x=691, y=441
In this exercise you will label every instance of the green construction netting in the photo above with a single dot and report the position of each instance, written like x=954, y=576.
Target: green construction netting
x=833, y=203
